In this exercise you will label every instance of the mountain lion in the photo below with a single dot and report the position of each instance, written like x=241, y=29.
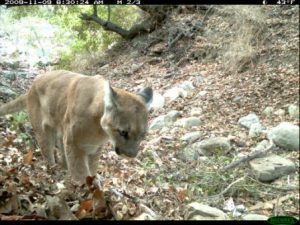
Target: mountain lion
x=77, y=114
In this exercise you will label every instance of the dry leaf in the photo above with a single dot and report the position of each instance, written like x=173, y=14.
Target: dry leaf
x=10, y=205
x=28, y=157
x=25, y=181
x=182, y=194
x=11, y=171
x=8, y=141
x=89, y=180
x=99, y=204
x=85, y=208
x=267, y=205
x=12, y=217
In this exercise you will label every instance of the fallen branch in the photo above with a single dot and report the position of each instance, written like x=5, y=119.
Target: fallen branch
x=249, y=157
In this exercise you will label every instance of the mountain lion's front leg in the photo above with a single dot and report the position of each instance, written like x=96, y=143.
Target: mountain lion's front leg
x=94, y=161
x=77, y=161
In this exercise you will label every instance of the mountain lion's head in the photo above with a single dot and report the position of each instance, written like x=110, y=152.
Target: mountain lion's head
x=125, y=118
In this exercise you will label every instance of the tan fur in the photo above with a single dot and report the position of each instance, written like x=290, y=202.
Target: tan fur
x=67, y=111
x=14, y=106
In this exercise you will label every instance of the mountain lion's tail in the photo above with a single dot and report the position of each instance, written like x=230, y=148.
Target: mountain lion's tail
x=14, y=106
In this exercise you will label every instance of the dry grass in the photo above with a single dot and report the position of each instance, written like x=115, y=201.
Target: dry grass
x=241, y=34
x=83, y=61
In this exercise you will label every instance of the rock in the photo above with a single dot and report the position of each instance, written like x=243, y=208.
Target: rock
x=229, y=205
x=158, y=123
x=191, y=137
x=11, y=64
x=268, y=111
x=164, y=120
x=261, y=145
x=279, y=112
x=255, y=130
x=104, y=67
x=188, y=122
x=241, y=208
x=197, y=77
x=7, y=92
x=174, y=93
x=189, y=153
x=12, y=75
x=135, y=67
x=248, y=120
x=285, y=135
x=133, y=54
x=9, y=75
x=187, y=85
x=237, y=99
x=172, y=115
x=164, y=130
x=255, y=217
x=214, y=145
x=154, y=60
x=58, y=209
x=195, y=74
x=196, y=112
x=75, y=207
x=157, y=48
x=293, y=111
x=158, y=101
x=197, y=211
x=144, y=216
x=202, y=93
x=39, y=209
x=271, y=167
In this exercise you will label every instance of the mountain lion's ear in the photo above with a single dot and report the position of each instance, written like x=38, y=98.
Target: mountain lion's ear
x=109, y=96
x=147, y=95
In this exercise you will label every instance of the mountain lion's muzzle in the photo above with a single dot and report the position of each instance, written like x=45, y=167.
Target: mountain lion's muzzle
x=129, y=153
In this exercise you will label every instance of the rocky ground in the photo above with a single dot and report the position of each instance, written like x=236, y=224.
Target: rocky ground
x=207, y=112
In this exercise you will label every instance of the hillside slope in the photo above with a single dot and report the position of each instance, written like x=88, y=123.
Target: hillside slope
x=239, y=60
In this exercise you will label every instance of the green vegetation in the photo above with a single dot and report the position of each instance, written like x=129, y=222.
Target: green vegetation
x=17, y=120
x=80, y=37
x=18, y=123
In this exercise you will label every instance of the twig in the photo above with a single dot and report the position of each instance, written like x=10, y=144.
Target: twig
x=113, y=190
x=148, y=210
x=123, y=194
x=206, y=14
x=290, y=188
x=112, y=211
x=248, y=157
x=136, y=201
x=95, y=13
x=108, y=13
x=179, y=36
x=227, y=188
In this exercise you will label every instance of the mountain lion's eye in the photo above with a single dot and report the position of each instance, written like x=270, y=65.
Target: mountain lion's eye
x=124, y=134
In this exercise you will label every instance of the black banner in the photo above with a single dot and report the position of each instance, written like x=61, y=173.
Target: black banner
x=146, y=2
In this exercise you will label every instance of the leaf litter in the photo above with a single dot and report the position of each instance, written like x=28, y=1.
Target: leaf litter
x=158, y=184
